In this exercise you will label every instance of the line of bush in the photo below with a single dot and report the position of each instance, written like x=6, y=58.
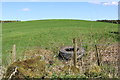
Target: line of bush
x=110, y=21
x=8, y=21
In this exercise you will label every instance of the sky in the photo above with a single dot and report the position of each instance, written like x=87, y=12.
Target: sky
x=37, y=10
x=58, y=0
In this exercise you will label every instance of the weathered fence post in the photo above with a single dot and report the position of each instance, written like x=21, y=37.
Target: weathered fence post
x=118, y=60
x=97, y=56
x=14, y=53
x=75, y=52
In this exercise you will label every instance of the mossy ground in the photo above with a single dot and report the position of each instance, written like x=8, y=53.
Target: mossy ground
x=28, y=68
x=45, y=64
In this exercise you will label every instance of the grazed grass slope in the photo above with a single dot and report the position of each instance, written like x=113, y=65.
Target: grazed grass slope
x=52, y=34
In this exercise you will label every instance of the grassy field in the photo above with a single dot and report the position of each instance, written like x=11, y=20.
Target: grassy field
x=53, y=34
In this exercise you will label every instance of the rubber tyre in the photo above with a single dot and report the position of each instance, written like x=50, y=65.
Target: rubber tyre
x=64, y=54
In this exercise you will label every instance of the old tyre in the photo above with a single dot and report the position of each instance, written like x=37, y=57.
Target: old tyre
x=67, y=52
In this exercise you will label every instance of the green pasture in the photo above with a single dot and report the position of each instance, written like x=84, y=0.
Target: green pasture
x=53, y=34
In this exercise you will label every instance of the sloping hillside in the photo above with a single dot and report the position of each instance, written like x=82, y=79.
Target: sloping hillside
x=53, y=34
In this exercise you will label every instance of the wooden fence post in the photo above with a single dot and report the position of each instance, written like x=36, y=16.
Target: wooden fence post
x=75, y=52
x=14, y=53
x=118, y=60
x=97, y=56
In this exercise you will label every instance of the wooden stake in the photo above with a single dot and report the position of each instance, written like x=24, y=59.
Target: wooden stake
x=118, y=60
x=97, y=56
x=14, y=53
x=75, y=52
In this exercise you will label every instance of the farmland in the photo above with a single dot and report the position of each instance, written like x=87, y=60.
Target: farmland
x=51, y=33
x=54, y=34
